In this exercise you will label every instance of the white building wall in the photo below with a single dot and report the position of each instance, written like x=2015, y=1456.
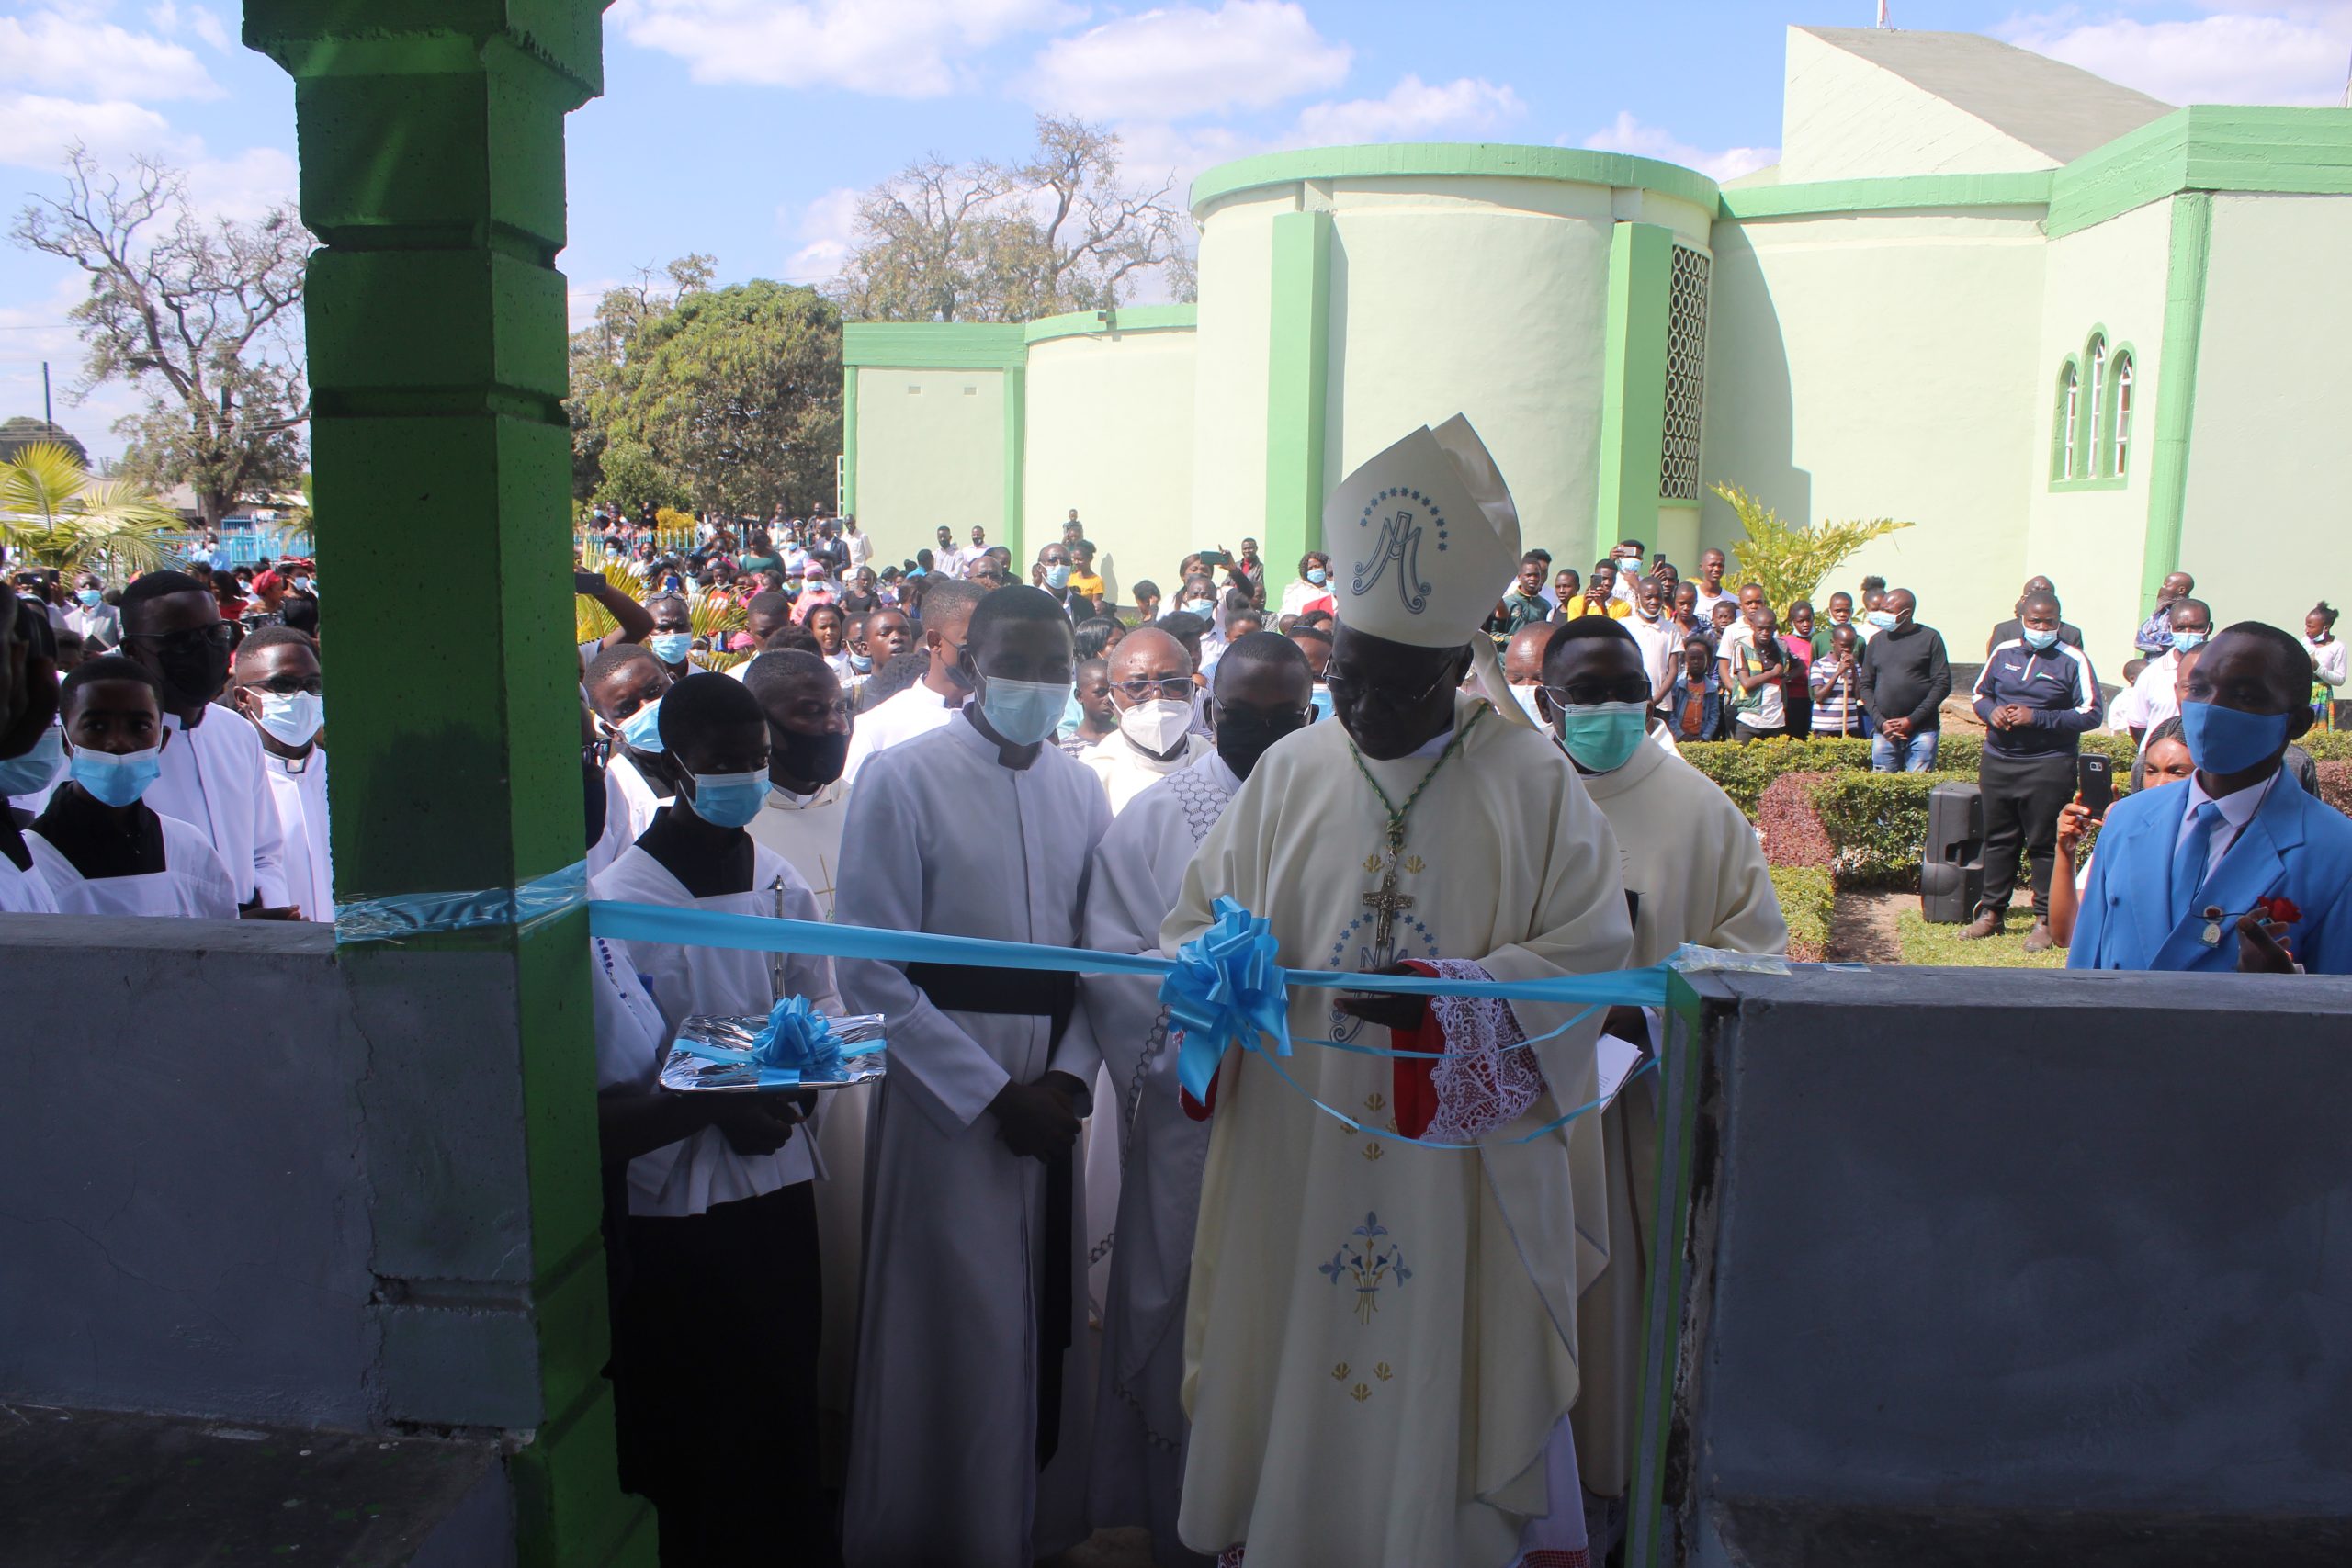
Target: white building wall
x=1235, y=272
x=1110, y=431
x=931, y=450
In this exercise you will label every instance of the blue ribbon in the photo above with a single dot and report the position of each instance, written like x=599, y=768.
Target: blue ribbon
x=536, y=902
x=798, y=1043
x=1225, y=989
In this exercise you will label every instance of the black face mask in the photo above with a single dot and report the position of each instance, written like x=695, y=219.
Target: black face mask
x=1242, y=738
x=805, y=762
x=193, y=671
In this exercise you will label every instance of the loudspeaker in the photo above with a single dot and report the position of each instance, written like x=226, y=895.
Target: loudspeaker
x=1952, y=867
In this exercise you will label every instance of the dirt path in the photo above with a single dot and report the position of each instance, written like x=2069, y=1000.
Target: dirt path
x=1861, y=927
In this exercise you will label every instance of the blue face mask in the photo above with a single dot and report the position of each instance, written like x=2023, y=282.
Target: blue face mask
x=1315, y=575
x=2041, y=642
x=1883, y=619
x=861, y=663
x=1058, y=576
x=2182, y=642
x=643, y=730
x=1201, y=606
x=2225, y=741
x=1322, y=702
x=90, y=597
x=671, y=648
x=729, y=800
x=32, y=773
x=1024, y=712
x=1602, y=737
x=117, y=780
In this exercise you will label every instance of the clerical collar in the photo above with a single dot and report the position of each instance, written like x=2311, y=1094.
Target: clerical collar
x=1017, y=759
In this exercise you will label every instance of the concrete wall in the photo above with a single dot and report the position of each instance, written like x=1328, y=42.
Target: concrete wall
x=1110, y=431
x=2050, y=1272
x=2090, y=541
x=1235, y=271
x=931, y=450
x=2265, y=528
x=1833, y=391
x=245, y=1180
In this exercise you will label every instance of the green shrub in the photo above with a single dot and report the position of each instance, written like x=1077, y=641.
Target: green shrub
x=1806, y=898
x=2328, y=745
x=1743, y=772
x=1877, y=824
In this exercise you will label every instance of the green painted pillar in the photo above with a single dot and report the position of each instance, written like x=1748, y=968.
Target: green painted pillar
x=1298, y=367
x=431, y=135
x=2190, y=257
x=848, y=503
x=1014, y=527
x=1632, y=407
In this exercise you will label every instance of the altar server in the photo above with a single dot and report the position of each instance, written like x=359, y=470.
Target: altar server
x=32, y=749
x=278, y=688
x=98, y=846
x=934, y=700
x=970, y=1441
x=626, y=684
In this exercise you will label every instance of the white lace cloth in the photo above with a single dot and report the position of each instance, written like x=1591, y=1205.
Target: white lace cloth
x=1481, y=1082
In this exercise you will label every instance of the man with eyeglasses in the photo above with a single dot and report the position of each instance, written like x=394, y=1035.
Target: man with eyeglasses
x=1151, y=693
x=945, y=685
x=214, y=778
x=278, y=688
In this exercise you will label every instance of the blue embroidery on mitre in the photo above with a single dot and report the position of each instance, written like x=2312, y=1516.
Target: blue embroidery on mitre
x=1225, y=989
x=1399, y=545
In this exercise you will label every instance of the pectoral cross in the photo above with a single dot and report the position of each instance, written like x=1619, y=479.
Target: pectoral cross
x=1385, y=903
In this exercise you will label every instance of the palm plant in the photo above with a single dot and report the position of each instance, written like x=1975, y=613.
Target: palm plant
x=1789, y=559
x=53, y=512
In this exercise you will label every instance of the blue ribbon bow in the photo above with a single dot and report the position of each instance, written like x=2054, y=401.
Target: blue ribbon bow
x=1225, y=989
x=798, y=1043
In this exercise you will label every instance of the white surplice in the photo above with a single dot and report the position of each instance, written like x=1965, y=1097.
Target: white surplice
x=639, y=795
x=1380, y=1339
x=806, y=830
x=24, y=892
x=193, y=884
x=1127, y=771
x=894, y=721
x=698, y=1172
x=298, y=788
x=1693, y=861
x=1154, y=1177
x=213, y=780
x=943, y=1466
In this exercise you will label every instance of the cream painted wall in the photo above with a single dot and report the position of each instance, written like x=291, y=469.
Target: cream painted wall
x=1845, y=118
x=931, y=450
x=1834, y=390
x=2090, y=542
x=1110, y=431
x=1234, y=271
x=2267, y=527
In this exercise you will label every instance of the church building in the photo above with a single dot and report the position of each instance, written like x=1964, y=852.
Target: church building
x=2060, y=326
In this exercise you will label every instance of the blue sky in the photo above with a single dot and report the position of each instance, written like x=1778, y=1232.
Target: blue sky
x=744, y=127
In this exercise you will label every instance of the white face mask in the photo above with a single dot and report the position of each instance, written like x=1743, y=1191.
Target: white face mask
x=1158, y=727
x=291, y=718
x=1525, y=697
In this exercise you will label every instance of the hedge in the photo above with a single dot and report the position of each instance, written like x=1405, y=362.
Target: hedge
x=1744, y=771
x=1806, y=898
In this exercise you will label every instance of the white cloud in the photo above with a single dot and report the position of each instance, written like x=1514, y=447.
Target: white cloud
x=1627, y=134
x=1413, y=110
x=822, y=229
x=909, y=48
x=1182, y=61
x=170, y=18
x=2280, y=54
x=35, y=129
x=53, y=50
x=1152, y=151
x=246, y=187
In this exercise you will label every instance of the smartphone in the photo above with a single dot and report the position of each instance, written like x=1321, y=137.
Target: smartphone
x=1216, y=557
x=2095, y=778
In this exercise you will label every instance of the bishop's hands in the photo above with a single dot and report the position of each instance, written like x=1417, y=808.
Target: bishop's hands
x=1385, y=1009
x=1038, y=1120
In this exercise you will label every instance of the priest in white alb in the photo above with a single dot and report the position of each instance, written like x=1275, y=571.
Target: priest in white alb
x=1380, y=1339
x=1151, y=693
x=1263, y=692
x=1695, y=873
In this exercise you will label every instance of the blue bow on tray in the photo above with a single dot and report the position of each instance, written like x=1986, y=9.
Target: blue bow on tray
x=798, y=1047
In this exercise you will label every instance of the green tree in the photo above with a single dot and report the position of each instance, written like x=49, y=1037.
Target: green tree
x=598, y=352
x=728, y=399
x=1789, y=559
x=200, y=316
x=988, y=242
x=56, y=513
x=24, y=431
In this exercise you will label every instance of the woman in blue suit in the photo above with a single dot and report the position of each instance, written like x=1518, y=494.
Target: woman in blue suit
x=2189, y=878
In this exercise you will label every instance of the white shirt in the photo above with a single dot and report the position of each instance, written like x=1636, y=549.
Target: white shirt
x=298, y=788
x=2237, y=810
x=918, y=710
x=2151, y=699
x=1707, y=602
x=2328, y=658
x=193, y=884
x=861, y=547
x=1660, y=644
x=101, y=625
x=214, y=780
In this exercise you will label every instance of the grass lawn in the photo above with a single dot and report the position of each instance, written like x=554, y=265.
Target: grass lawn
x=1924, y=943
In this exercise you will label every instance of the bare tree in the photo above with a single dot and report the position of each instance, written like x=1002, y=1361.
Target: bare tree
x=200, y=317
x=982, y=242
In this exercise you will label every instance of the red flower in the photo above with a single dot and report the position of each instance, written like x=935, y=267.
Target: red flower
x=2281, y=909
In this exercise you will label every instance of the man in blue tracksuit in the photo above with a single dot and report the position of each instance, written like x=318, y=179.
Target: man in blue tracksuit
x=2037, y=696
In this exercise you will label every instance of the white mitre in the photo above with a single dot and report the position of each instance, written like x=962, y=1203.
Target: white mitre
x=1424, y=540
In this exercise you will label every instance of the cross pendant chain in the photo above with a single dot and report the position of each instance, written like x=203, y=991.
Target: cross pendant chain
x=1387, y=903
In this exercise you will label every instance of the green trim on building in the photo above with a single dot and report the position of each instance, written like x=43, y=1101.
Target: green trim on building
x=2117, y=355
x=1111, y=323
x=2205, y=147
x=1298, y=363
x=848, y=503
x=935, y=346
x=1914, y=192
x=1633, y=389
x=1443, y=160
x=1016, y=455
x=2191, y=255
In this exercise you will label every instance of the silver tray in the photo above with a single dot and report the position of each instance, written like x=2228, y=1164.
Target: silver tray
x=686, y=1073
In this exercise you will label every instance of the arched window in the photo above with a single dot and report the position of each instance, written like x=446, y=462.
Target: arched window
x=2122, y=414
x=2095, y=372
x=2069, y=392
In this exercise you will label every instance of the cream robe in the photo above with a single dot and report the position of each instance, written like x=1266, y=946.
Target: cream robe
x=1397, y=1420
x=212, y=780
x=1156, y=1156
x=298, y=787
x=943, y=1463
x=1126, y=772
x=1695, y=861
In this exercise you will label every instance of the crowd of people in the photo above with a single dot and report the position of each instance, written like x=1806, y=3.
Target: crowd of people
x=1042, y=1280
